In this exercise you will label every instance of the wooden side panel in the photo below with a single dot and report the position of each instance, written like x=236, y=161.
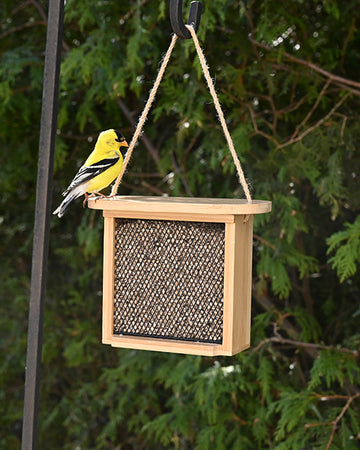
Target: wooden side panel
x=229, y=277
x=242, y=283
x=237, y=285
x=108, y=279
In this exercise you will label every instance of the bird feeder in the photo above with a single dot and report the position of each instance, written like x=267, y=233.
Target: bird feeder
x=178, y=273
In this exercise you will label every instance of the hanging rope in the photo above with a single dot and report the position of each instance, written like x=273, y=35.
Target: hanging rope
x=221, y=117
x=220, y=113
x=144, y=114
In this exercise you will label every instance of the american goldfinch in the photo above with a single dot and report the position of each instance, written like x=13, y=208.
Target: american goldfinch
x=99, y=170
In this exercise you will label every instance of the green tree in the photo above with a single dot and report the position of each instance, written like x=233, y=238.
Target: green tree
x=286, y=76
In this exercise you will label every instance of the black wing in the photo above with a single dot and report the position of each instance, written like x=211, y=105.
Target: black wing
x=87, y=173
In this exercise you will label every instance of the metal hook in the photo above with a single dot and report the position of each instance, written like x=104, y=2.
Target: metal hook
x=176, y=18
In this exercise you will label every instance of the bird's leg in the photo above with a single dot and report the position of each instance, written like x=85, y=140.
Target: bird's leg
x=87, y=198
x=100, y=194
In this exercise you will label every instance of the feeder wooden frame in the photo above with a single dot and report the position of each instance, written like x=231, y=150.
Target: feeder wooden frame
x=237, y=215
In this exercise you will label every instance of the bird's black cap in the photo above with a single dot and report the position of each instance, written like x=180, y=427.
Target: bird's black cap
x=120, y=136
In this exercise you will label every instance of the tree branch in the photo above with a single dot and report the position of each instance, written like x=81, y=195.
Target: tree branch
x=339, y=417
x=151, y=149
x=264, y=241
x=310, y=65
x=310, y=113
x=182, y=178
x=40, y=9
x=256, y=129
x=290, y=329
x=42, y=13
x=22, y=27
x=317, y=125
x=280, y=340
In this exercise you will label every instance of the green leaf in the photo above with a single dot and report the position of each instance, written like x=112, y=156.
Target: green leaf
x=328, y=368
x=346, y=246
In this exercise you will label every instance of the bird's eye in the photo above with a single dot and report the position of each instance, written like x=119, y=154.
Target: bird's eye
x=119, y=135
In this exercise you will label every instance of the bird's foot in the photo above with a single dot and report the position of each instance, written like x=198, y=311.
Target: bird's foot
x=99, y=194
x=104, y=196
x=94, y=194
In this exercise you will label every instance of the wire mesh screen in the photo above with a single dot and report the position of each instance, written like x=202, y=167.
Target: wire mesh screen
x=169, y=278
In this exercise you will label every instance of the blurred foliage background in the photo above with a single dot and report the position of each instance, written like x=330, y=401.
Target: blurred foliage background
x=287, y=76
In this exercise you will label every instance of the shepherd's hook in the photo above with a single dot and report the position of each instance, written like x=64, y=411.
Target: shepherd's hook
x=176, y=18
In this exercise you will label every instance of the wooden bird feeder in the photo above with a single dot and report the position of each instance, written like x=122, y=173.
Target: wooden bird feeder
x=178, y=273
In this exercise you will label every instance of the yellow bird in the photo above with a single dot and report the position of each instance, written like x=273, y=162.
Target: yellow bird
x=99, y=170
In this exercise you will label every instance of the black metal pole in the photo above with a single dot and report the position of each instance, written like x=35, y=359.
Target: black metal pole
x=42, y=223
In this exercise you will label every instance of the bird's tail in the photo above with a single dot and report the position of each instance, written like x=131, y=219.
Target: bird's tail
x=72, y=195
